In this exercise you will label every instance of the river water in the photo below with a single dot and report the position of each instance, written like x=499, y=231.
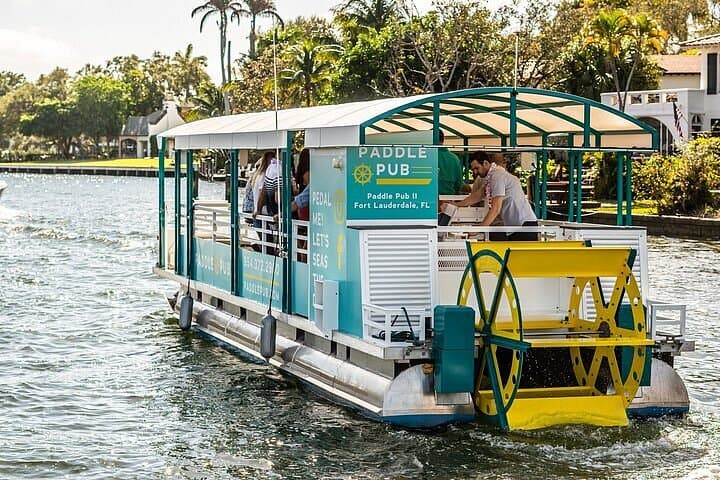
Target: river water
x=96, y=380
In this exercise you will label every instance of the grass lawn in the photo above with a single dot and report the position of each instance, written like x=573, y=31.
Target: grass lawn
x=110, y=163
x=639, y=207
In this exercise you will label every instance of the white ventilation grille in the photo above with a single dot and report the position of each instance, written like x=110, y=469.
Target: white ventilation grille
x=398, y=270
x=452, y=257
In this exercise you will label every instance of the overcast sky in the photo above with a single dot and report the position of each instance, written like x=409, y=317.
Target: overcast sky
x=36, y=36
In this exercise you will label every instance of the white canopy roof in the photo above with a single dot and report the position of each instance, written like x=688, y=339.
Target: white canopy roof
x=478, y=117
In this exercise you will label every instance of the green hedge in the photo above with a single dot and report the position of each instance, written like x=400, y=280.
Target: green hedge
x=681, y=184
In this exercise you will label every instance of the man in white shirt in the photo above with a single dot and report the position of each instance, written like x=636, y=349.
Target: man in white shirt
x=505, y=198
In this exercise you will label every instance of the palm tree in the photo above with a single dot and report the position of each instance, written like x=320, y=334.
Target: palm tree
x=220, y=8
x=254, y=9
x=370, y=14
x=189, y=71
x=625, y=39
x=209, y=102
x=310, y=65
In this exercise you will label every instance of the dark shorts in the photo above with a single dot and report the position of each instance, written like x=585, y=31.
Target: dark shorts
x=517, y=236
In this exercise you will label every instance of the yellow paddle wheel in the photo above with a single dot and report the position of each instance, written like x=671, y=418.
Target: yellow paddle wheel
x=576, y=373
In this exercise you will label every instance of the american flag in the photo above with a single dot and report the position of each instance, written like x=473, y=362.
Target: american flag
x=677, y=114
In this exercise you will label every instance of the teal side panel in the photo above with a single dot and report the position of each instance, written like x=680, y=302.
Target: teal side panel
x=300, y=288
x=350, y=320
x=256, y=277
x=327, y=231
x=212, y=263
x=625, y=320
x=391, y=183
x=454, y=349
x=180, y=267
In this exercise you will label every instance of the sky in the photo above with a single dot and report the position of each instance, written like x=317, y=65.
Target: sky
x=36, y=36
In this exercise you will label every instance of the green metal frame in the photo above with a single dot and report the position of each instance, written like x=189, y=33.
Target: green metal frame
x=189, y=215
x=286, y=190
x=161, y=204
x=234, y=230
x=178, y=219
x=591, y=138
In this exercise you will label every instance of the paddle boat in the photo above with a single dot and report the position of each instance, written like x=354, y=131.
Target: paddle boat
x=375, y=305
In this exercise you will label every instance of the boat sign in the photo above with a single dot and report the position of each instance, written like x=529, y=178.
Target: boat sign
x=392, y=183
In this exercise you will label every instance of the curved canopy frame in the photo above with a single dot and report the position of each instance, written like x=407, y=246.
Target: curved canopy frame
x=496, y=117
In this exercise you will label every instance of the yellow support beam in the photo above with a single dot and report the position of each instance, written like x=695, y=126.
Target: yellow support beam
x=501, y=247
x=568, y=262
x=553, y=342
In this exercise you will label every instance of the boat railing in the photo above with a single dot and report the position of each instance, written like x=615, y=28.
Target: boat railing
x=261, y=233
x=461, y=233
x=299, y=252
x=394, y=326
x=212, y=223
x=666, y=325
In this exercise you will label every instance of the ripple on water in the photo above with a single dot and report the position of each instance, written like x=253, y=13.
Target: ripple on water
x=96, y=381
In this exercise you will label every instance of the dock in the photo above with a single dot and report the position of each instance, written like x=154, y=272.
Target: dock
x=84, y=170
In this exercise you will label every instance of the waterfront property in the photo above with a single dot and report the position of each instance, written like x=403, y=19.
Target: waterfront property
x=377, y=306
x=138, y=131
x=688, y=100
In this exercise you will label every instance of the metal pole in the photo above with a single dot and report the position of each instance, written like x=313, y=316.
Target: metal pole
x=579, y=164
x=536, y=186
x=287, y=223
x=190, y=256
x=161, y=203
x=628, y=189
x=178, y=217
x=233, y=221
x=620, y=165
x=543, y=171
x=571, y=182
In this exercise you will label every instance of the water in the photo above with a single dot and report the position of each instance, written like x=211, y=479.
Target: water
x=96, y=381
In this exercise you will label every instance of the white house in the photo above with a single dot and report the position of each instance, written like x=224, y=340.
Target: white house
x=136, y=133
x=690, y=82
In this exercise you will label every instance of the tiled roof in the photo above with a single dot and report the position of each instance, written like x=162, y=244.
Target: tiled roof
x=679, y=64
x=708, y=41
x=138, y=126
x=135, y=127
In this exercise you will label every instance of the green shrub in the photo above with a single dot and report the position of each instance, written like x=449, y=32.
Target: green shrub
x=681, y=184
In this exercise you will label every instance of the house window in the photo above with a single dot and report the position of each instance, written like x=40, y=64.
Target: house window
x=715, y=125
x=635, y=99
x=712, y=73
x=697, y=123
x=653, y=98
x=671, y=97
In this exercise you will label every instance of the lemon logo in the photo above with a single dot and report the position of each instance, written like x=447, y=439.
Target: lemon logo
x=362, y=174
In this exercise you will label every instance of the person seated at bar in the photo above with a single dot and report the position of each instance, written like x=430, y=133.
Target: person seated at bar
x=268, y=201
x=301, y=203
x=504, y=197
x=450, y=181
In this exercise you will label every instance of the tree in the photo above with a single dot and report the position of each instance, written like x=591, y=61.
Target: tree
x=209, y=102
x=224, y=9
x=355, y=16
x=102, y=105
x=55, y=85
x=624, y=38
x=146, y=92
x=10, y=81
x=188, y=72
x=54, y=119
x=309, y=70
x=254, y=9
